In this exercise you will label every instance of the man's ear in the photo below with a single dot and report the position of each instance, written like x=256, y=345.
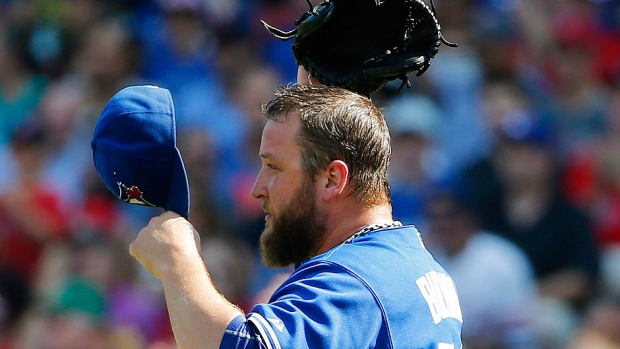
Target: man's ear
x=336, y=179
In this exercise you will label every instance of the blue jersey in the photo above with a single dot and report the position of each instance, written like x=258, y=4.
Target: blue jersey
x=380, y=290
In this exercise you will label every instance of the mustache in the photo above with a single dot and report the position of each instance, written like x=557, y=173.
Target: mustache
x=264, y=207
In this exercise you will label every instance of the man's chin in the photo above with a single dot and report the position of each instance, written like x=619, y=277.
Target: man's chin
x=267, y=231
x=274, y=254
x=272, y=260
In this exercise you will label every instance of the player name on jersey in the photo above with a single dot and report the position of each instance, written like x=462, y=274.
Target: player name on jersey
x=440, y=294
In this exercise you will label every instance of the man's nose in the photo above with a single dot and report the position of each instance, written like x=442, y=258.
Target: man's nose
x=259, y=189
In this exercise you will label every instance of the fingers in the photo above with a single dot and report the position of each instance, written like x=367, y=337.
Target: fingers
x=132, y=249
x=160, y=243
x=197, y=241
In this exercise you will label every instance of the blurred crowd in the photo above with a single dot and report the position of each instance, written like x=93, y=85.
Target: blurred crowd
x=506, y=156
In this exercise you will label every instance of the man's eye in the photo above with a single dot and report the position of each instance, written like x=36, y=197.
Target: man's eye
x=271, y=166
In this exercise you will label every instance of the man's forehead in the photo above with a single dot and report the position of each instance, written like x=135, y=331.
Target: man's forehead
x=284, y=129
x=279, y=136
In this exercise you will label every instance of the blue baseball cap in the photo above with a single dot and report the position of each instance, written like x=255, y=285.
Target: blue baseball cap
x=135, y=151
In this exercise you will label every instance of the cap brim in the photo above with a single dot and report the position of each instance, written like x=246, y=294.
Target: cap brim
x=178, y=198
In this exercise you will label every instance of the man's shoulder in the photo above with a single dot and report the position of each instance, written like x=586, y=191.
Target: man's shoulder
x=392, y=247
x=384, y=261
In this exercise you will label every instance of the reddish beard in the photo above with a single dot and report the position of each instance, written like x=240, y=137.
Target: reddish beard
x=295, y=233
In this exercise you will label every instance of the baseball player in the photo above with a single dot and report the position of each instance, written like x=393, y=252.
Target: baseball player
x=362, y=280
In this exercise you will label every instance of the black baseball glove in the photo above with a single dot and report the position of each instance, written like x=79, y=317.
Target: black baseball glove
x=361, y=45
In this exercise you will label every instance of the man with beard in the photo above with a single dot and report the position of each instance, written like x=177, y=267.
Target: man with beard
x=361, y=280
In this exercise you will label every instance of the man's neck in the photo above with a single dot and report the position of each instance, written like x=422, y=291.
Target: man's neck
x=344, y=224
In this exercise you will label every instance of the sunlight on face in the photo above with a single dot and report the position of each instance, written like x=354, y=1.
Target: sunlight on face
x=293, y=228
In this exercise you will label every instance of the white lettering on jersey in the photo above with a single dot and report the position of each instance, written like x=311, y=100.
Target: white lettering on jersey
x=440, y=294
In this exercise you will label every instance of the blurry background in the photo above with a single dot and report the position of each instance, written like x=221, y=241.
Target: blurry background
x=506, y=156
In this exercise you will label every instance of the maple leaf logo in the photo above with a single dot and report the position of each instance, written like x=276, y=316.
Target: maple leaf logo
x=132, y=195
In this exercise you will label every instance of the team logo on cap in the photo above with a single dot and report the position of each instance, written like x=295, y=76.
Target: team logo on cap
x=132, y=195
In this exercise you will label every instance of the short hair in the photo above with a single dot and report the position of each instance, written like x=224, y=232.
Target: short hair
x=337, y=124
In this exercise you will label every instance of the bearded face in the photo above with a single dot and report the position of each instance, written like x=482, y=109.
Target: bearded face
x=295, y=232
